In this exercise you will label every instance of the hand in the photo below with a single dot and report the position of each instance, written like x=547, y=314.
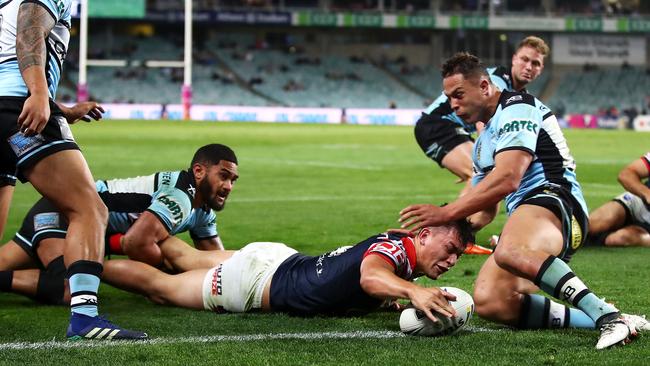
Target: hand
x=421, y=216
x=35, y=114
x=83, y=111
x=432, y=298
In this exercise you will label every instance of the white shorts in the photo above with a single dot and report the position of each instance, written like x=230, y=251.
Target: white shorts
x=238, y=283
x=635, y=208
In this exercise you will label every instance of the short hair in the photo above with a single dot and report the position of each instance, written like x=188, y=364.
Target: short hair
x=464, y=229
x=535, y=42
x=212, y=154
x=463, y=63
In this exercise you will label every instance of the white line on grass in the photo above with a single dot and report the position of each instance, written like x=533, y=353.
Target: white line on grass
x=52, y=345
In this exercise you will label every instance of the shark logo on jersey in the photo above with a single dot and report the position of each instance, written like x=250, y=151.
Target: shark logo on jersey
x=514, y=98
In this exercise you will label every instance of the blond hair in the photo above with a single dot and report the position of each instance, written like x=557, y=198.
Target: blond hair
x=535, y=42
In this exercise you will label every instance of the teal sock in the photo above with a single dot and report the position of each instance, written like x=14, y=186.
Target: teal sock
x=556, y=279
x=84, y=278
x=539, y=312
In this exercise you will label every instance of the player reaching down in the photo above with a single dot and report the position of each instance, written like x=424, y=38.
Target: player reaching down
x=273, y=277
x=37, y=145
x=522, y=156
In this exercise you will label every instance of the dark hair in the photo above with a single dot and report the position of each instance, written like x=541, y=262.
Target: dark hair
x=212, y=154
x=464, y=228
x=465, y=64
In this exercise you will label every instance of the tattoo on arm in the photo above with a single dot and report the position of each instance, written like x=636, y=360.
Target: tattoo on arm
x=34, y=25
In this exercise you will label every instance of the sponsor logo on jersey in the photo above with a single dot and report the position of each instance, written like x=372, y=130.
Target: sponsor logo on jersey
x=22, y=144
x=173, y=207
x=216, y=282
x=514, y=98
x=46, y=220
x=517, y=126
x=165, y=178
x=576, y=233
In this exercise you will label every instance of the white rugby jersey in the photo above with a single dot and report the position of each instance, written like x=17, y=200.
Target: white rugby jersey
x=11, y=81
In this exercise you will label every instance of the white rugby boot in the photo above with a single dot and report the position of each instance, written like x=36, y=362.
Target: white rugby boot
x=639, y=322
x=615, y=331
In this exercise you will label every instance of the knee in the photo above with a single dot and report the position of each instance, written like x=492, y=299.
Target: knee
x=485, y=306
x=507, y=256
x=149, y=253
x=51, y=287
x=614, y=240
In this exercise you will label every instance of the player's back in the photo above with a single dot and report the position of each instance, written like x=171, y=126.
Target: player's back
x=330, y=283
x=11, y=81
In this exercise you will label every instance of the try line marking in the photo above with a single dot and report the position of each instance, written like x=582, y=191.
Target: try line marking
x=64, y=344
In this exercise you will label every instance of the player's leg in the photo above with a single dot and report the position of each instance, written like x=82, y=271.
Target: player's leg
x=459, y=161
x=6, y=193
x=605, y=219
x=181, y=257
x=63, y=177
x=631, y=235
x=182, y=289
x=13, y=256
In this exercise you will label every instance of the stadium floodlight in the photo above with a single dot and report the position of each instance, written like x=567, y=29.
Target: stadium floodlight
x=186, y=64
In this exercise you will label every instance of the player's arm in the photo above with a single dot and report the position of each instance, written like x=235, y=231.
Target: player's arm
x=509, y=168
x=209, y=244
x=141, y=240
x=631, y=178
x=33, y=26
x=378, y=279
x=84, y=111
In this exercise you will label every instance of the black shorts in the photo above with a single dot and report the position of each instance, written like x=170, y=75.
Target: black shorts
x=19, y=152
x=575, y=223
x=43, y=221
x=437, y=136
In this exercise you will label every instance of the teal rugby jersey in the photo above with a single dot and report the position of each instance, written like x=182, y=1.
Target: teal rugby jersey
x=522, y=122
x=11, y=81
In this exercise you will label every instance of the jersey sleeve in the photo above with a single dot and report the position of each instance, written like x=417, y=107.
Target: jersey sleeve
x=56, y=8
x=172, y=207
x=394, y=254
x=518, y=128
x=205, y=228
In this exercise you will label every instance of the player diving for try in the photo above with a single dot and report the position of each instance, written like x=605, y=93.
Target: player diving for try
x=522, y=156
x=274, y=277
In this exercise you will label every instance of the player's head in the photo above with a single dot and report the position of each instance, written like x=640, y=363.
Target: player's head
x=528, y=60
x=439, y=247
x=467, y=85
x=215, y=171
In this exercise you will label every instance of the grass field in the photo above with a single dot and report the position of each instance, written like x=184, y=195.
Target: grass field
x=316, y=188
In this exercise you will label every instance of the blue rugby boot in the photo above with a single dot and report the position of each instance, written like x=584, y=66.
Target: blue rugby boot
x=83, y=327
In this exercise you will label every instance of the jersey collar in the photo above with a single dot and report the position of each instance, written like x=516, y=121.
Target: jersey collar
x=410, y=251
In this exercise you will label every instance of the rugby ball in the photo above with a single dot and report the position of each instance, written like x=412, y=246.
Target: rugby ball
x=415, y=322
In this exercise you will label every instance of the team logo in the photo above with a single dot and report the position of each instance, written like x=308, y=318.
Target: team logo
x=514, y=98
x=22, y=144
x=46, y=220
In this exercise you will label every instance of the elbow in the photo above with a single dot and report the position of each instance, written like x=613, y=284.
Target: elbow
x=369, y=284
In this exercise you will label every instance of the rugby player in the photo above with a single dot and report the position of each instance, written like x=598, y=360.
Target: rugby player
x=522, y=156
x=274, y=277
x=445, y=137
x=37, y=146
x=143, y=211
x=625, y=221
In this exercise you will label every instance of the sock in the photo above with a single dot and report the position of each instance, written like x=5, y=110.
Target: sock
x=6, y=277
x=556, y=279
x=539, y=312
x=83, y=278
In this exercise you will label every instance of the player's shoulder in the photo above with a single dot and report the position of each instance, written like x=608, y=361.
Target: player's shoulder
x=59, y=9
x=175, y=181
x=513, y=100
x=500, y=76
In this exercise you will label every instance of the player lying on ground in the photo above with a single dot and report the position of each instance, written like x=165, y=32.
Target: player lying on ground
x=38, y=146
x=445, y=137
x=273, y=277
x=625, y=221
x=143, y=212
x=522, y=156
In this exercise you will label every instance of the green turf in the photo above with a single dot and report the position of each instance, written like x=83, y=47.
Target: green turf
x=316, y=188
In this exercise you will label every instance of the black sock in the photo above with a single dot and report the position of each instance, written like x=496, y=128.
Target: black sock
x=6, y=277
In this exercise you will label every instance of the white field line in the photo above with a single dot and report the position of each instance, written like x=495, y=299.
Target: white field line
x=54, y=344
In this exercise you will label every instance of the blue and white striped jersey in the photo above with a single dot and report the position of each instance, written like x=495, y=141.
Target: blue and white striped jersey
x=168, y=195
x=522, y=122
x=11, y=81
